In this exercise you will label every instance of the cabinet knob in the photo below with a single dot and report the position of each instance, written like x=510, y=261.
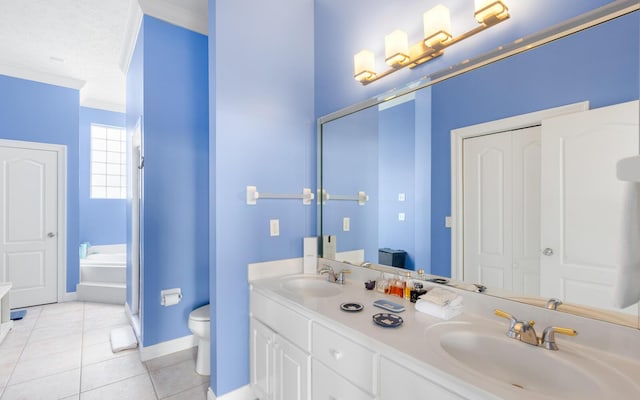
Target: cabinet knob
x=336, y=354
x=547, y=252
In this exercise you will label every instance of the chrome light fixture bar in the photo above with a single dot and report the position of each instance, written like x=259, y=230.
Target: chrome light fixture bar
x=437, y=37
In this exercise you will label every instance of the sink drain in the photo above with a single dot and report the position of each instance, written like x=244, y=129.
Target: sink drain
x=517, y=385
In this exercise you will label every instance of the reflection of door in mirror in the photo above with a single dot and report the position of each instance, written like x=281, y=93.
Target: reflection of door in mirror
x=523, y=192
x=501, y=197
x=582, y=202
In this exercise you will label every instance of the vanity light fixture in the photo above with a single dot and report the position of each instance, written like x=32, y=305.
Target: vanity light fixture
x=437, y=37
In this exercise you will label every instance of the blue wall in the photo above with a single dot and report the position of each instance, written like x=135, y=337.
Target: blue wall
x=546, y=77
x=396, y=174
x=38, y=112
x=261, y=67
x=170, y=67
x=351, y=144
x=343, y=28
x=102, y=221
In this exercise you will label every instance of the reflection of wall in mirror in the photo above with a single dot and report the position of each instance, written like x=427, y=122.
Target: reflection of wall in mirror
x=350, y=165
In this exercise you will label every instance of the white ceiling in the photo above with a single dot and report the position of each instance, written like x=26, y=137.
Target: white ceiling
x=83, y=44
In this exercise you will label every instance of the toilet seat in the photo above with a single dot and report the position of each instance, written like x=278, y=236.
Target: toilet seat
x=200, y=314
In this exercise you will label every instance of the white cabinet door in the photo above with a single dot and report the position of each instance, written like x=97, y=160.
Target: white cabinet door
x=291, y=371
x=328, y=385
x=397, y=382
x=262, y=360
x=582, y=201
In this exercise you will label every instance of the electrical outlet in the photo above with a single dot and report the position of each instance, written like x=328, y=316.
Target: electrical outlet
x=346, y=224
x=447, y=221
x=274, y=227
x=401, y=216
x=401, y=196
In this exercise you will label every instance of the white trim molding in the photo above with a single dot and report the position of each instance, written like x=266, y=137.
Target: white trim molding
x=24, y=72
x=168, y=347
x=487, y=128
x=243, y=393
x=132, y=30
x=193, y=15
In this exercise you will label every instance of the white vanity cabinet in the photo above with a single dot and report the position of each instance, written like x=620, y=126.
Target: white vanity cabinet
x=296, y=357
x=398, y=382
x=280, y=360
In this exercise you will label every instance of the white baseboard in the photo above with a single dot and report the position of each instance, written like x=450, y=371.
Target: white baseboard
x=243, y=393
x=70, y=296
x=134, y=320
x=168, y=347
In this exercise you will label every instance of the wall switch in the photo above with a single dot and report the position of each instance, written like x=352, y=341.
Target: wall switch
x=274, y=227
x=447, y=221
x=346, y=224
x=401, y=216
x=401, y=196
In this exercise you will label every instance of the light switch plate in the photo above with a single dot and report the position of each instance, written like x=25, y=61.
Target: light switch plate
x=447, y=221
x=346, y=224
x=401, y=196
x=401, y=216
x=274, y=227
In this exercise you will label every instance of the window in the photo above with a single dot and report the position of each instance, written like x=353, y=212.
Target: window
x=108, y=162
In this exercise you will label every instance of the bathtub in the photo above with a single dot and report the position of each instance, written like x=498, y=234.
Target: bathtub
x=107, y=255
x=103, y=275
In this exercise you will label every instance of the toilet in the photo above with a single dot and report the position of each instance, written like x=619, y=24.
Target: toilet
x=200, y=326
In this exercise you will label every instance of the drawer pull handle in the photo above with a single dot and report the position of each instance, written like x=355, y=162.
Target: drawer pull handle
x=337, y=355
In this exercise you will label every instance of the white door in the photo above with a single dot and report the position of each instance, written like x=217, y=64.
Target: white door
x=501, y=191
x=582, y=201
x=29, y=224
x=487, y=210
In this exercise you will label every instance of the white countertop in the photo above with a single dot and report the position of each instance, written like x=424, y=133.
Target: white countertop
x=414, y=342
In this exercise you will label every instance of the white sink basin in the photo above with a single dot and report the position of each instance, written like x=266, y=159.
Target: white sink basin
x=311, y=286
x=529, y=371
x=520, y=365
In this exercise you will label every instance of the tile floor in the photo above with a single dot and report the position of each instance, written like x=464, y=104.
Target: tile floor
x=62, y=351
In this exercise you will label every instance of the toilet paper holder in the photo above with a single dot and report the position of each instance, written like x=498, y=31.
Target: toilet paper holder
x=170, y=297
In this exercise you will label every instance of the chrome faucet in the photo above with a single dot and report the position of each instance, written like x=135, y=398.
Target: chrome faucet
x=332, y=276
x=524, y=332
x=553, y=303
x=520, y=330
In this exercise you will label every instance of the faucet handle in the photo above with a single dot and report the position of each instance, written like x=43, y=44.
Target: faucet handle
x=515, y=326
x=340, y=278
x=548, y=340
x=506, y=315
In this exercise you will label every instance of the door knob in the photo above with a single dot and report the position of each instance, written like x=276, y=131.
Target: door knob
x=547, y=252
x=51, y=234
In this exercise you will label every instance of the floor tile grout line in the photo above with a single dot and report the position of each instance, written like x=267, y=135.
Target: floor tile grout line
x=84, y=306
x=113, y=383
x=3, y=391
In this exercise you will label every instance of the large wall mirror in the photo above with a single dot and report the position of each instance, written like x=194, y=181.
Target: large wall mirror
x=389, y=169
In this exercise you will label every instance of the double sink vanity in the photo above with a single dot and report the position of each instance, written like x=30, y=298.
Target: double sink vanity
x=304, y=346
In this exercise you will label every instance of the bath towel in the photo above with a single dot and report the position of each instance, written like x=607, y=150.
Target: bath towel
x=627, y=287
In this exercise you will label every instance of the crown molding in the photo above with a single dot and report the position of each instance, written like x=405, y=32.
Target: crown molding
x=103, y=105
x=189, y=18
x=22, y=72
x=132, y=30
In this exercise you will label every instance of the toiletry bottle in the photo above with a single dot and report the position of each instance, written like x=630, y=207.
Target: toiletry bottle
x=408, y=286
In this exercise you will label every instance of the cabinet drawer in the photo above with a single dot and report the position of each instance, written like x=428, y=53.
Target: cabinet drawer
x=327, y=385
x=344, y=356
x=284, y=321
x=398, y=382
